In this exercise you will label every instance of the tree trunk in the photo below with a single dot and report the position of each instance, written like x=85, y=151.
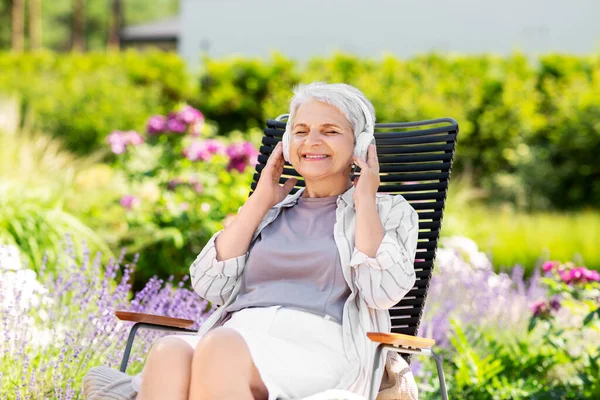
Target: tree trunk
x=78, y=31
x=18, y=25
x=35, y=24
x=116, y=23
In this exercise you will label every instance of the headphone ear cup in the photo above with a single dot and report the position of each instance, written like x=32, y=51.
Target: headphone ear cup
x=286, y=145
x=362, y=145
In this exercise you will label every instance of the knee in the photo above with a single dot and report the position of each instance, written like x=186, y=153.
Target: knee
x=220, y=343
x=173, y=348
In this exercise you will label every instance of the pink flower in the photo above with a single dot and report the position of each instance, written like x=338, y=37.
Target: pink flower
x=203, y=150
x=190, y=115
x=544, y=308
x=591, y=276
x=119, y=140
x=157, y=124
x=191, y=182
x=548, y=266
x=129, y=201
x=539, y=308
x=133, y=138
x=174, y=124
x=241, y=155
x=565, y=276
x=576, y=274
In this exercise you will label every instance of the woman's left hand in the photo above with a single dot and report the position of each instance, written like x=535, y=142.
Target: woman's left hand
x=366, y=187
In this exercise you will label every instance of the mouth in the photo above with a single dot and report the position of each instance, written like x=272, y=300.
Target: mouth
x=314, y=157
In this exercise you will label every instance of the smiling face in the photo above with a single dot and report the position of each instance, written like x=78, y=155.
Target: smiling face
x=322, y=142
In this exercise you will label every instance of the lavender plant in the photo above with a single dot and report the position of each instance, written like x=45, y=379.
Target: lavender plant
x=507, y=338
x=56, y=326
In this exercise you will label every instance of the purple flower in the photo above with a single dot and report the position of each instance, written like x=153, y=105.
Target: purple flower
x=241, y=155
x=539, y=308
x=119, y=140
x=191, y=182
x=129, y=201
x=174, y=124
x=203, y=150
x=134, y=138
x=156, y=125
x=190, y=115
x=555, y=304
x=66, y=342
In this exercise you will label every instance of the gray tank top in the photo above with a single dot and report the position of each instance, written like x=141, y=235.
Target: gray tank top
x=295, y=262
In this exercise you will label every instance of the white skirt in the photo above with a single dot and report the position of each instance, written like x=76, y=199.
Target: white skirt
x=298, y=354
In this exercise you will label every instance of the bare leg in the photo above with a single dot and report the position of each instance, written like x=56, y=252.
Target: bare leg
x=222, y=369
x=167, y=370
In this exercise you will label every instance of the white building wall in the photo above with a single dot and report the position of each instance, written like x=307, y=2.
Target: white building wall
x=304, y=28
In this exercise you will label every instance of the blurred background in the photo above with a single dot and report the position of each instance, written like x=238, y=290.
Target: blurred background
x=131, y=128
x=522, y=79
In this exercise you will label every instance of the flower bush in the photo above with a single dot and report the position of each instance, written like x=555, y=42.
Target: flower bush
x=506, y=338
x=57, y=326
x=182, y=183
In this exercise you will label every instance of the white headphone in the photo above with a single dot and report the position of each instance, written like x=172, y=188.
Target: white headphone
x=363, y=140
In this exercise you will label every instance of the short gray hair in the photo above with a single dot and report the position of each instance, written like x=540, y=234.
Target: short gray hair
x=340, y=95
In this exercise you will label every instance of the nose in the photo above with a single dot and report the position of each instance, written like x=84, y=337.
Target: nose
x=313, y=138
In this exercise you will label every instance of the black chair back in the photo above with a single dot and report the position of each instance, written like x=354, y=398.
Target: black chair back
x=415, y=161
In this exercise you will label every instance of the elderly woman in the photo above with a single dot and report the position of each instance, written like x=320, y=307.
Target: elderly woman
x=300, y=278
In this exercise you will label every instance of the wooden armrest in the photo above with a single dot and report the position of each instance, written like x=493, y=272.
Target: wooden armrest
x=398, y=339
x=154, y=319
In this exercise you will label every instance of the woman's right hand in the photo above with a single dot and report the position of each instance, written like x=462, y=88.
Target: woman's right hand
x=268, y=187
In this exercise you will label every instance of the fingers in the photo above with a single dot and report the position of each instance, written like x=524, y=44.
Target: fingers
x=276, y=155
x=372, y=159
x=360, y=163
x=289, y=185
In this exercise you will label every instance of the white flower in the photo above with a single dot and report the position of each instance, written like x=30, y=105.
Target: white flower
x=9, y=258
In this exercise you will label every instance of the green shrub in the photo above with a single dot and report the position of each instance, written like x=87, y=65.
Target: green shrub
x=81, y=98
x=182, y=184
x=40, y=197
x=528, y=128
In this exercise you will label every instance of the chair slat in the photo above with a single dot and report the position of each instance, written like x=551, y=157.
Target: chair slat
x=429, y=205
x=420, y=283
x=415, y=177
x=432, y=148
x=397, y=312
x=383, y=140
x=425, y=255
x=429, y=235
x=414, y=188
x=407, y=301
x=398, y=320
x=426, y=245
x=414, y=159
x=424, y=264
x=405, y=331
x=429, y=215
x=422, y=196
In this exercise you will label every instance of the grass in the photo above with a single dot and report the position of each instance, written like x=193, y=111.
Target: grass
x=511, y=237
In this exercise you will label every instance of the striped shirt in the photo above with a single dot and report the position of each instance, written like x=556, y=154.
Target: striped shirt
x=376, y=284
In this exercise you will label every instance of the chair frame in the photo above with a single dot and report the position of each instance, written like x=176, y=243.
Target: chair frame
x=398, y=342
